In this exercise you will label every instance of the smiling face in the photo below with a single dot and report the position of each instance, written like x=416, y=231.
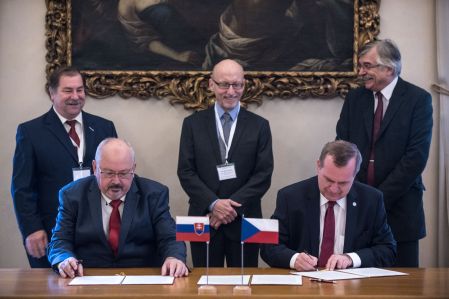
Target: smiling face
x=68, y=98
x=227, y=71
x=375, y=75
x=335, y=182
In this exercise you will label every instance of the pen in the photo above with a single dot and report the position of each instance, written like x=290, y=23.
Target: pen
x=78, y=262
x=322, y=280
x=305, y=251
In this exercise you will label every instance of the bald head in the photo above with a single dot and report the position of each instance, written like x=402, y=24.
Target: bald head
x=228, y=83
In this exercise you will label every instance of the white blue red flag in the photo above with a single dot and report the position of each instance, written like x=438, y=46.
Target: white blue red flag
x=255, y=230
x=193, y=229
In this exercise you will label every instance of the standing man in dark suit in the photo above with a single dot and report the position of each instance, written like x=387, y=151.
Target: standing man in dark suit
x=49, y=154
x=394, y=141
x=225, y=166
x=115, y=219
x=331, y=221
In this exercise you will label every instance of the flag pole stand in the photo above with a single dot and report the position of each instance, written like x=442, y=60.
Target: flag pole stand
x=242, y=289
x=207, y=289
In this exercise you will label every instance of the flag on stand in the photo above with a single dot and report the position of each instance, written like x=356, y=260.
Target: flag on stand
x=193, y=229
x=255, y=230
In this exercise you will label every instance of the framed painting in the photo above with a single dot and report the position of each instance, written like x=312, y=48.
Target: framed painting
x=167, y=48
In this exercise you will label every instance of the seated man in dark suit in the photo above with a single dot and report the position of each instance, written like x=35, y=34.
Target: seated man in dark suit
x=331, y=221
x=115, y=219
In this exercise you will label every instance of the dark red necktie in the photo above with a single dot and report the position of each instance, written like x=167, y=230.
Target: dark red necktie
x=376, y=128
x=72, y=132
x=327, y=243
x=114, y=225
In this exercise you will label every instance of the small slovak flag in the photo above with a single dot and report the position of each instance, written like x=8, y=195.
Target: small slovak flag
x=255, y=230
x=193, y=229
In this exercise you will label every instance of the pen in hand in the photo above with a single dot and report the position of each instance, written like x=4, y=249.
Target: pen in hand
x=78, y=263
x=315, y=267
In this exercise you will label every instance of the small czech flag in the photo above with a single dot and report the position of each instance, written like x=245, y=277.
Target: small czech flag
x=193, y=229
x=255, y=230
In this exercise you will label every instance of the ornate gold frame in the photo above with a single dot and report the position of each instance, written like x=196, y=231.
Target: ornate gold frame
x=190, y=88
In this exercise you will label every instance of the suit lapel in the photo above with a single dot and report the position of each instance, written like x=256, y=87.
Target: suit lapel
x=313, y=206
x=368, y=112
x=89, y=137
x=94, y=201
x=242, y=121
x=351, y=220
x=54, y=125
x=129, y=210
x=211, y=125
x=396, y=100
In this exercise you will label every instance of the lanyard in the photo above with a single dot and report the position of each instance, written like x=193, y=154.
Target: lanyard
x=220, y=133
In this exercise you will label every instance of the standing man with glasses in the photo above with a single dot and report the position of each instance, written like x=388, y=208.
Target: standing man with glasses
x=390, y=121
x=51, y=151
x=115, y=219
x=225, y=166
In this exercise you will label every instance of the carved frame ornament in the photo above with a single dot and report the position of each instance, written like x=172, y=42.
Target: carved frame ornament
x=190, y=88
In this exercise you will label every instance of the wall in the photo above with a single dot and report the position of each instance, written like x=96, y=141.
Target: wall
x=299, y=127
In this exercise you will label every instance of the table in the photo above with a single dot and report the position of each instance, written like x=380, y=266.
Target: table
x=44, y=283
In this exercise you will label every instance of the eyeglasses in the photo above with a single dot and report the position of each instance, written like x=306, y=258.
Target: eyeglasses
x=124, y=175
x=368, y=66
x=226, y=85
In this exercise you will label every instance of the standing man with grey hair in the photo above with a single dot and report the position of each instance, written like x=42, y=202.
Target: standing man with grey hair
x=52, y=150
x=390, y=120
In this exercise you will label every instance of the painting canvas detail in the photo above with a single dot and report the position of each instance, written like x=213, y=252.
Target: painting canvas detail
x=166, y=48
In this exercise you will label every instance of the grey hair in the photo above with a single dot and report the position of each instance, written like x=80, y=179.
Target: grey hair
x=388, y=54
x=110, y=139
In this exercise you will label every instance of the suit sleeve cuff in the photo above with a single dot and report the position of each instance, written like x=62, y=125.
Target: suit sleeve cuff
x=356, y=261
x=212, y=205
x=292, y=260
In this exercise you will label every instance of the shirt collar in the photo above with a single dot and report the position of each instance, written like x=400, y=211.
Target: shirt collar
x=78, y=118
x=233, y=112
x=387, y=92
x=341, y=202
x=108, y=200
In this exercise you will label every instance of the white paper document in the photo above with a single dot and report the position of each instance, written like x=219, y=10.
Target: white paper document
x=373, y=272
x=276, y=280
x=225, y=280
x=328, y=275
x=95, y=280
x=352, y=273
x=148, y=279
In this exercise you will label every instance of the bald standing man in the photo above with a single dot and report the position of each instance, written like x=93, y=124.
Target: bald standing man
x=225, y=167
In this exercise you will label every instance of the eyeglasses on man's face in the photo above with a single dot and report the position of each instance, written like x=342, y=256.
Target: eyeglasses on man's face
x=227, y=85
x=368, y=66
x=124, y=175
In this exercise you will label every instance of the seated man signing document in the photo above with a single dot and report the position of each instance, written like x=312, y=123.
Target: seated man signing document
x=331, y=221
x=115, y=219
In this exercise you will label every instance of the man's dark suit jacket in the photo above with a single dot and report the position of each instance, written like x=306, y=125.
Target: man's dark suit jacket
x=401, y=151
x=147, y=233
x=199, y=155
x=298, y=211
x=43, y=162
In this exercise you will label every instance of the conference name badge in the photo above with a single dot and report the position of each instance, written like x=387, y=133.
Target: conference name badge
x=226, y=171
x=80, y=172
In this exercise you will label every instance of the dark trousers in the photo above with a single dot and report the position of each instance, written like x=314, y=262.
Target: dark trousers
x=38, y=263
x=407, y=254
x=221, y=249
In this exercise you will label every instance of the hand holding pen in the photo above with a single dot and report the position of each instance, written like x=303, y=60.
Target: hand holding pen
x=70, y=267
x=306, y=262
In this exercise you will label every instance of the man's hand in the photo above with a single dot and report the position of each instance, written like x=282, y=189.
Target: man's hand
x=305, y=262
x=224, y=210
x=70, y=267
x=174, y=267
x=214, y=221
x=36, y=244
x=338, y=261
